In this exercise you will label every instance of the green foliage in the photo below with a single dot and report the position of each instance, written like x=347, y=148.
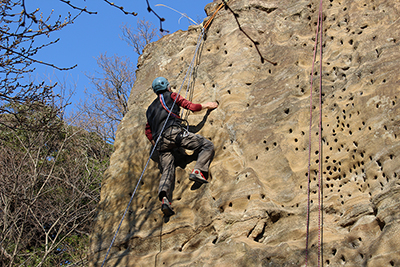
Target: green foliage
x=73, y=250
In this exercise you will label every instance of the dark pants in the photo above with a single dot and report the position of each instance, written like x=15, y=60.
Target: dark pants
x=171, y=139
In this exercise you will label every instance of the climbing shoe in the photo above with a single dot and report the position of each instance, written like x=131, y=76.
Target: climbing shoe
x=197, y=176
x=166, y=207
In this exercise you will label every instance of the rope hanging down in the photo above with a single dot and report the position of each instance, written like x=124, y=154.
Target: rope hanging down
x=191, y=66
x=201, y=36
x=152, y=151
x=318, y=31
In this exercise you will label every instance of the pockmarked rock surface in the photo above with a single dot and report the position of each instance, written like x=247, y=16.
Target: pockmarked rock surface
x=254, y=210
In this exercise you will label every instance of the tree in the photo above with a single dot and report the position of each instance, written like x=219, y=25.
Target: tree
x=18, y=31
x=49, y=187
x=107, y=103
x=141, y=36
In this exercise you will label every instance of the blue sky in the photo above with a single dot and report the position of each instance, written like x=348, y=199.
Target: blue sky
x=92, y=35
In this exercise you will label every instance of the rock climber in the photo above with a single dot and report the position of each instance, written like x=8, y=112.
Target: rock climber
x=175, y=135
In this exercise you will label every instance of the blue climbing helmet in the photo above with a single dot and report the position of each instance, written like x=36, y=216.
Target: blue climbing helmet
x=160, y=84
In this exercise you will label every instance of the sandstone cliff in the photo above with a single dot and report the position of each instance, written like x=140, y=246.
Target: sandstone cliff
x=254, y=210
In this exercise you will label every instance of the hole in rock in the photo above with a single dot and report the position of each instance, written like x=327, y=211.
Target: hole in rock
x=380, y=223
x=260, y=235
x=275, y=217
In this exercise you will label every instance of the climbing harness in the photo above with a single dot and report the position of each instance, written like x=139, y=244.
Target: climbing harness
x=318, y=31
x=154, y=147
x=184, y=124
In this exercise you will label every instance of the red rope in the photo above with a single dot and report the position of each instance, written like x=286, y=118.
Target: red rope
x=319, y=30
x=320, y=139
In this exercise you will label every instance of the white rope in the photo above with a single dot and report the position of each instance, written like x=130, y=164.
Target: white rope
x=191, y=66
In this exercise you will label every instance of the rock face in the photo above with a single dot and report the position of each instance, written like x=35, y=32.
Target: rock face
x=254, y=210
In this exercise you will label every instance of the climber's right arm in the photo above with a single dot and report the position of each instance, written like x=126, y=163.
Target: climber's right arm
x=149, y=135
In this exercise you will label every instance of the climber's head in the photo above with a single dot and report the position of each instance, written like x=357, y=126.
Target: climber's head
x=160, y=84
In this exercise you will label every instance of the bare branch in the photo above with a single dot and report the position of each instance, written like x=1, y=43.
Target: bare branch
x=78, y=8
x=4, y=252
x=141, y=36
x=120, y=8
x=149, y=9
x=107, y=104
x=34, y=60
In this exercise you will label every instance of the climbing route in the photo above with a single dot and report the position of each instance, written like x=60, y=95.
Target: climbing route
x=189, y=73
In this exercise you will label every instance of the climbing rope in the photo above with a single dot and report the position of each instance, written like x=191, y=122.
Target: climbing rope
x=320, y=143
x=191, y=66
x=318, y=31
x=224, y=2
x=201, y=36
x=152, y=151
